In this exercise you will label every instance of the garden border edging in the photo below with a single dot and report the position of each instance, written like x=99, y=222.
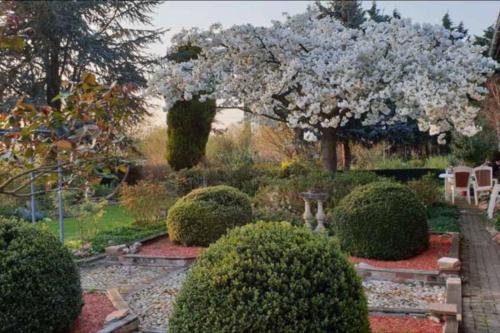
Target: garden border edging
x=127, y=324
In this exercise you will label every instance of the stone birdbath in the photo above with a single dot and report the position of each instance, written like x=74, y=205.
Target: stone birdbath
x=310, y=197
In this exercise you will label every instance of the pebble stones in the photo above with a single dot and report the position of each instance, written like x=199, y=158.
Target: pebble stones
x=402, y=295
x=103, y=277
x=153, y=303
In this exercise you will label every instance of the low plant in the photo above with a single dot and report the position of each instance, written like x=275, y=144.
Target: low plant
x=39, y=282
x=443, y=217
x=124, y=235
x=205, y=214
x=145, y=201
x=381, y=220
x=271, y=277
x=427, y=189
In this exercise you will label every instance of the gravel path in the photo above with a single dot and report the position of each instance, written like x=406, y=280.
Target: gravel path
x=153, y=290
x=104, y=277
x=402, y=295
x=154, y=303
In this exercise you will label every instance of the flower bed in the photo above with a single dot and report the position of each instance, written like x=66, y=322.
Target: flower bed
x=386, y=324
x=439, y=246
x=164, y=247
x=95, y=309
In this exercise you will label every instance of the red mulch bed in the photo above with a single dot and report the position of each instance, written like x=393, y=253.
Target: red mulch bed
x=95, y=309
x=439, y=246
x=381, y=324
x=164, y=247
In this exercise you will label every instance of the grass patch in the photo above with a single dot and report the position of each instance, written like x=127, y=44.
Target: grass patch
x=443, y=217
x=115, y=216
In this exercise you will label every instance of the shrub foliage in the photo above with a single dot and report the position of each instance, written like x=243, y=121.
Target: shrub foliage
x=145, y=200
x=204, y=215
x=427, y=189
x=271, y=277
x=382, y=220
x=189, y=125
x=39, y=282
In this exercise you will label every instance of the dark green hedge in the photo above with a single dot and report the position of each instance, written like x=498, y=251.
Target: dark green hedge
x=205, y=214
x=382, y=220
x=271, y=278
x=188, y=127
x=39, y=282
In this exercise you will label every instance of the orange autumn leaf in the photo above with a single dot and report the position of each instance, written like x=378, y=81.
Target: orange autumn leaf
x=63, y=144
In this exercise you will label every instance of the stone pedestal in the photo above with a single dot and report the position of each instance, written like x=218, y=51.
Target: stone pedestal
x=309, y=197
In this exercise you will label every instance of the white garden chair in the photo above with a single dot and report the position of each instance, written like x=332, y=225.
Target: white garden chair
x=460, y=182
x=483, y=181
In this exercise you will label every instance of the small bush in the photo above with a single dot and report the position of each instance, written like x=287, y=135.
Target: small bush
x=443, y=217
x=246, y=178
x=145, y=200
x=39, y=283
x=204, y=215
x=293, y=167
x=427, y=189
x=271, y=277
x=124, y=235
x=383, y=220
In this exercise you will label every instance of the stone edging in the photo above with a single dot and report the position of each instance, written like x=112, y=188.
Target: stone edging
x=122, y=320
x=144, y=260
x=89, y=261
x=149, y=260
x=451, y=311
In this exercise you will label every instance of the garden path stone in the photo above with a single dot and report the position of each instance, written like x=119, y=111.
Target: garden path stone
x=481, y=271
x=104, y=277
x=153, y=303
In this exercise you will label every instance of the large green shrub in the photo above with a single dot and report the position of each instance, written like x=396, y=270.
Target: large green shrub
x=189, y=125
x=188, y=122
x=382, y=220
x=205, y=214
x=39, y=282
x=271, y=278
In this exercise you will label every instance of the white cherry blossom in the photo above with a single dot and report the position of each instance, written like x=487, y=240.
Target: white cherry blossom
x=316, y=73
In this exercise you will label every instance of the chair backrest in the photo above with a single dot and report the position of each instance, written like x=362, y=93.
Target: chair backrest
x=483, y=176
x=462, y=176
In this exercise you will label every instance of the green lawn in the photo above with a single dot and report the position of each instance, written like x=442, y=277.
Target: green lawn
x=114, y=217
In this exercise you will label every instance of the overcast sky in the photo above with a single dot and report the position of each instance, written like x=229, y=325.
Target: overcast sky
x=175, y=15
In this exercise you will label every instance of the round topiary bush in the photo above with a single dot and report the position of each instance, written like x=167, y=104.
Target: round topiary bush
x=271, y=277
x=204, y=215
x=382, y=220
x=39, y=282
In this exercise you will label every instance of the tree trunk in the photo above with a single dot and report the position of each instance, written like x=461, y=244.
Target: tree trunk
x=346, y=155
x=53, y=78
x=329, y=149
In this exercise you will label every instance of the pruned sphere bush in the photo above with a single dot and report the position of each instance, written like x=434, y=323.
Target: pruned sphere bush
x=205, y=214
x=382, y=220
x=271, y=277
x=39, y=282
